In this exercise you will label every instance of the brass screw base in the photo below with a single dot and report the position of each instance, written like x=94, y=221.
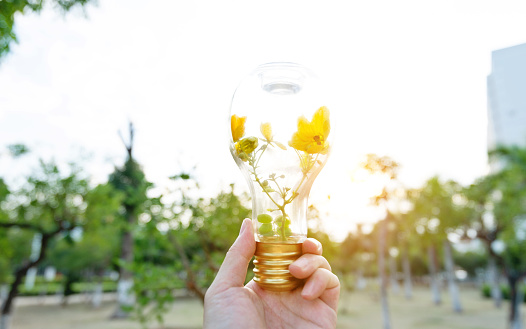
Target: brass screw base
x=271, y=266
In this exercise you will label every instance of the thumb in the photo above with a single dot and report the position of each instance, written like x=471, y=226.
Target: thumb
x=233, y=271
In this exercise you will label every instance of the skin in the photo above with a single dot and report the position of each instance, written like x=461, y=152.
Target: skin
x=231, y=304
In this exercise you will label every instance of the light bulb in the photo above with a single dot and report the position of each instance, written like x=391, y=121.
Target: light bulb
x=280, y=137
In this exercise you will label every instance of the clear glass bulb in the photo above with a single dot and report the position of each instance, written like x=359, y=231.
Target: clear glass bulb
x=280, y=139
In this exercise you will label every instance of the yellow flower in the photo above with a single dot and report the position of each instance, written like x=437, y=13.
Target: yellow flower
x=246, y=146
x=266, y=130
x=237, y=124
x=311, y=137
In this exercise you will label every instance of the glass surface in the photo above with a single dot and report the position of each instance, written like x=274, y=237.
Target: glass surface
x=280, y=139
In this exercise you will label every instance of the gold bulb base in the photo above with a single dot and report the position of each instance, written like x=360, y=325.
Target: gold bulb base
x=271, y=266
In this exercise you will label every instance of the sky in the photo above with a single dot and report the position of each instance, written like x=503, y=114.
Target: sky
x=407, y=80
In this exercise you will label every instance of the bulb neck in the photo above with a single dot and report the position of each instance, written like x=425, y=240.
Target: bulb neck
x=271, y=266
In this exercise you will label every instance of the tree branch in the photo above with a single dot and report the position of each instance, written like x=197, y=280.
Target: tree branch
x=28, y=226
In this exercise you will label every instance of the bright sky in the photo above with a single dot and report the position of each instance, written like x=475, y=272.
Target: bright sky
x=409, y=79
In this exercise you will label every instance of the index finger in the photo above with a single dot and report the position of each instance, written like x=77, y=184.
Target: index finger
x=312, y=246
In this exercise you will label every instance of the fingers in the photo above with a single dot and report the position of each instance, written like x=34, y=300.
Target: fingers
x=307, y=264
x=312, y=246
x=234, y=268
x=311, y=259
x=322, y=284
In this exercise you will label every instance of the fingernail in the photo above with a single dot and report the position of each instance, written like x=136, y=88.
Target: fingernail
x=243, y=226
x=307, y=291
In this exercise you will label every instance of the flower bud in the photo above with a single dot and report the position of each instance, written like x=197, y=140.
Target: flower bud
x=247, y=145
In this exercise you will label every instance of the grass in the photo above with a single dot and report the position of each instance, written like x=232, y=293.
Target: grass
x=356, y=310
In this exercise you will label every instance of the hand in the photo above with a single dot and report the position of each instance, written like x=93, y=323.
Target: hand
x=229, y=304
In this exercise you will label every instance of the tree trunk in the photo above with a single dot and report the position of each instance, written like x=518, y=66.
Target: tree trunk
x=435, y=289
x=393, y=275
x=494, y=280
x=515, y=302
x=4, y=290
x=5, y=314
x=96, y=300
x=383, y=277
x=360, y=280
x=125, y=296
x=408, y=284
x=450, y=273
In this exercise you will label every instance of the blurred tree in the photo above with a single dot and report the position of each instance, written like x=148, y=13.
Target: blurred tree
x=93, y=250
x=6, y=243
x=409, y=246
x=471, y=261
x=183, y=242
x=51, y=204
x=478, y=205
x=131, y=182
x=436, y=215
x=387, y=168
x=356, y=258
x=9, y=10
x=509, y=210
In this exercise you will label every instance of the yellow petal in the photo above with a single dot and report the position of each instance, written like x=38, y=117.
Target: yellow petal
x=266, y=130
x=237, y=125
x=281, y=146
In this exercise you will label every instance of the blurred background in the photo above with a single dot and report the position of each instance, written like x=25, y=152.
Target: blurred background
x=119, y=197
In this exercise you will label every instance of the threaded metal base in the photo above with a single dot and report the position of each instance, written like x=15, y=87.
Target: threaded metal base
x=271, y=266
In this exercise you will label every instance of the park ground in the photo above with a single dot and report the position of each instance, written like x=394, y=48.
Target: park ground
x=356, y=310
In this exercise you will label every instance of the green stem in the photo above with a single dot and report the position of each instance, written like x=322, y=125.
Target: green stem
x=253, y=162
x=283, y=194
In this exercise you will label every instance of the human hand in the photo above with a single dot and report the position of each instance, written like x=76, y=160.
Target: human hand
x=230, y=304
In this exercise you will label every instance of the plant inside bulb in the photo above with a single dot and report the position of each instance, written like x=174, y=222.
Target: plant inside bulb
x=280, y=129
x=282, y=173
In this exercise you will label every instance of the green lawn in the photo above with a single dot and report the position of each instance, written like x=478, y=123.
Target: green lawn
x=356, y=310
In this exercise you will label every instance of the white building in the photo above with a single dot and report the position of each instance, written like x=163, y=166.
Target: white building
x=507, y=97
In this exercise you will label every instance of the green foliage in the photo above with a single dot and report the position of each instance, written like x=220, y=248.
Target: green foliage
x=155, y=288
x=505, y=290
x=471, y=261
x=131, y=181
x=17, y=150
x=48, y=203
x=434, y=211
x=181, y=244
x=10, y=9
x=509, y=206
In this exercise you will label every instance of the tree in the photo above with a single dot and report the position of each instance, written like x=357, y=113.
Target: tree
x=509, y=210
x=131, y=182
x=182, y=243
x=388, y=168
x=478, y=204
x=6, y=243
x=51, y=204
x=9, y=10
x=94, y=249
x=437, y=215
